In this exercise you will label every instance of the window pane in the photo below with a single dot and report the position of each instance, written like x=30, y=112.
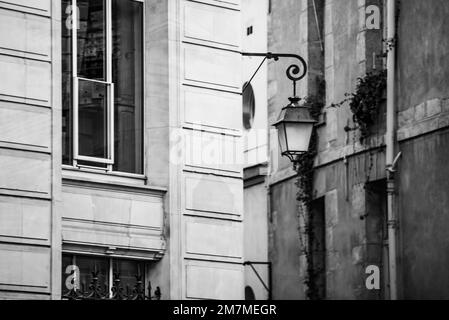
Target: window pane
x=67, y=132
x=87, y=265
x=127, y=74
x=92, y=39
x=128, y=271
x=93, y=119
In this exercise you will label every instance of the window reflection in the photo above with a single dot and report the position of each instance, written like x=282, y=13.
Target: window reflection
x=93, y=119
x=92, y=39
x=67, y=73
x=127, y=74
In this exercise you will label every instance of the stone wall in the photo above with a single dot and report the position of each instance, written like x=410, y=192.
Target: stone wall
x=30, y=159
x=423, y=138
x=344, y=166
x=206, y=172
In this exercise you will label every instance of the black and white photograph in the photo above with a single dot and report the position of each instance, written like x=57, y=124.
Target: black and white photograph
x=251, y=151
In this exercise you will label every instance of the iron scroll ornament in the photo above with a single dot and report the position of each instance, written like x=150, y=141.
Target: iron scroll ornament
x=294, y=72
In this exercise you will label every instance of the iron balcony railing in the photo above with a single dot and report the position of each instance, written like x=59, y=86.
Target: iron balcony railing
x=96, y=291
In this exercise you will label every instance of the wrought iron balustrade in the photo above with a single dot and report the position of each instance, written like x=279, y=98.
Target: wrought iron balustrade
x=96, y=291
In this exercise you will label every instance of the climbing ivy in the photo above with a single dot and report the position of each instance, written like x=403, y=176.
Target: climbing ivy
x=305, y=195
x=366, y=101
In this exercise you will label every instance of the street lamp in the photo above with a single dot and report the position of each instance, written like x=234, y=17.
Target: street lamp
x=294, y=126
x=295, y=123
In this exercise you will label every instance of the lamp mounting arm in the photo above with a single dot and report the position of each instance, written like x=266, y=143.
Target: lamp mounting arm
x=294, y=72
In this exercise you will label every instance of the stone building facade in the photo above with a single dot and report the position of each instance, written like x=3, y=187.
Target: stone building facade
x=122, y=148
x=350, y=178
x=120, y=137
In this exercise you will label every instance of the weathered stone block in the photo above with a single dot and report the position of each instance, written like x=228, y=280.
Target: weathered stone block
x=272, y=89
x=433, y=107
x=333, y=261
x=401, y=135
x=362, y=17
x=332, y=125
x=332, y=208
x=329, y=50
x=330, y=85
x=358, y=200
x=432, y=125
x=443, y=121
x=358, y=255
x=406, y=117
x=303, y=27
x=328, y=18
x=445, y=106
x=420, y=112
x=329, y=238
x=213, y=281
x=361, y=47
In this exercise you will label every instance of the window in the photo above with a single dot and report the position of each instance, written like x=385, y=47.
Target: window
x=102, y=84
x=106, y=271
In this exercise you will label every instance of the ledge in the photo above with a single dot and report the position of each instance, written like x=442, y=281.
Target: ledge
x=333, y=155
x=115, y=182
x=113, y=252
x=255, y=174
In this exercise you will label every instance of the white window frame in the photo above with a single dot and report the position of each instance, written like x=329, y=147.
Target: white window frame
x=109, y=161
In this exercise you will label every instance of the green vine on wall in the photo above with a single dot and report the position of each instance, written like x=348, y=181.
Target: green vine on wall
x=305, y=196
x=366, y=101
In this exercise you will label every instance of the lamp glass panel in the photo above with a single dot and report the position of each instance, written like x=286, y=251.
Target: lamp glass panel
x=282, y=137
x=298, y=135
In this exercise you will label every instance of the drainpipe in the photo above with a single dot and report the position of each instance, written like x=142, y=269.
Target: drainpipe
x=390, y=147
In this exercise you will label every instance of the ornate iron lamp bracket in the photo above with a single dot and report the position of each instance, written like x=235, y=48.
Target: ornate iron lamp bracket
x=294, y=72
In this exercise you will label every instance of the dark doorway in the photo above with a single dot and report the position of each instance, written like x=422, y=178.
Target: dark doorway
x=317, y=247
x=377, y=234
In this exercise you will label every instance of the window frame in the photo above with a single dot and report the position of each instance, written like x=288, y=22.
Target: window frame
x=110, y=160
